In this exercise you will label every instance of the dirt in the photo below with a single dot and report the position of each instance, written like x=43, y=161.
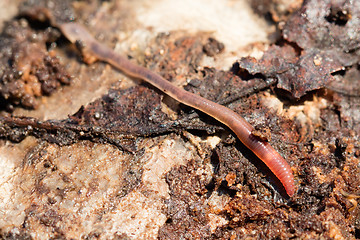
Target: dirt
x=29, y=68
x=132, y=163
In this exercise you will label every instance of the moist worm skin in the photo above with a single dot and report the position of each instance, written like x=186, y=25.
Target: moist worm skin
x=262, y=149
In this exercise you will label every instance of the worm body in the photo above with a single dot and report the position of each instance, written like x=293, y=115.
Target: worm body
x=262, y=149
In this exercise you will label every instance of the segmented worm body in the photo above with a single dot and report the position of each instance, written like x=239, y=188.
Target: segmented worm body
x=277, y=164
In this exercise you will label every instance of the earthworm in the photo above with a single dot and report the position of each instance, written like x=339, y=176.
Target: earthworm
x=76, y=33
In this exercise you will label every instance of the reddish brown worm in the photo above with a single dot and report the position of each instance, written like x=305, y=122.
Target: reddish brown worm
x=262, y=149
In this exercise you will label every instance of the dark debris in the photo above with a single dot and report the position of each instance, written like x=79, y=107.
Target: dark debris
x=175, y=57
x=27, y=69
x=225, y=87
x=317, y=45
x=186, y=208
x=124, y=111
x=116, y=118
x=243, y=209
x=213, y=47
x=297, y=74
x=325, y=25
